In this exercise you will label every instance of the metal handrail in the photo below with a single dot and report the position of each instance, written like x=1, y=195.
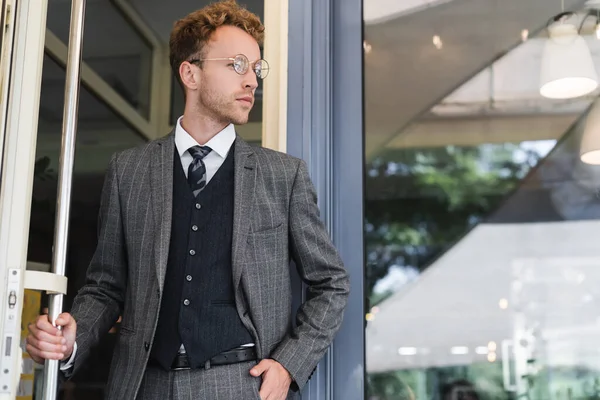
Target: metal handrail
x=65, y=178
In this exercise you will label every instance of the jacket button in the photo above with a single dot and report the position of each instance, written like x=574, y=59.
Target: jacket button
x=146, y=346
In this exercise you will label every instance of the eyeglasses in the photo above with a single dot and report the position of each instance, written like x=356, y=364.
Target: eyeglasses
x=241, y=64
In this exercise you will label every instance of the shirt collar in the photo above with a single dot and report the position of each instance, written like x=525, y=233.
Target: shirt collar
x=220, y=143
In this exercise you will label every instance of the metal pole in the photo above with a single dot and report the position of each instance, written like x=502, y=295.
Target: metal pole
x=63, y=205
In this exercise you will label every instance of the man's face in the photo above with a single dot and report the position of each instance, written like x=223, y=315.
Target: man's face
x=222, y=93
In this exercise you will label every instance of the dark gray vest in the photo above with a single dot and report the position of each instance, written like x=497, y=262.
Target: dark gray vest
x=198, y=307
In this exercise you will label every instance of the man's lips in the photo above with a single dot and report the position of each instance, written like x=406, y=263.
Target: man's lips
x=247, y=99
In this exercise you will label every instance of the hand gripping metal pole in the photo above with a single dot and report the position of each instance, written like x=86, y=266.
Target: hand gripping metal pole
x=65, y=178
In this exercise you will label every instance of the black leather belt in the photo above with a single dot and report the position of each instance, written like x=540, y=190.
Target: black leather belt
x=181, y=361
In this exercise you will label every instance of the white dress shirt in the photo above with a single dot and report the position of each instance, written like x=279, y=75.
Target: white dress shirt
x=220, y=144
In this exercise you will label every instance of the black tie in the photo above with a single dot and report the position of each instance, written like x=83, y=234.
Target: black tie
x=197, y=169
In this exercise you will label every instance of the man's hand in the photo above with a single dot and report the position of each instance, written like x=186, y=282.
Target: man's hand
x=276, y=380
x=47, y=342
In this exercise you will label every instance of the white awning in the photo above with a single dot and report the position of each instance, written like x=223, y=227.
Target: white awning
x=452, y=312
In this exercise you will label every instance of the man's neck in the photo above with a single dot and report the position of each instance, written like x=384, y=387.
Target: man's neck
x=201, y=128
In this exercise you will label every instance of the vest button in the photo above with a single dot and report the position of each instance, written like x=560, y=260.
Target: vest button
x=186, y=302
x=198, y=206
x=188, y=278
x=194, y=228
x=192, y=252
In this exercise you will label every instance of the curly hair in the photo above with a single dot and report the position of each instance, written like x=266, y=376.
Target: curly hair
x=191, y=33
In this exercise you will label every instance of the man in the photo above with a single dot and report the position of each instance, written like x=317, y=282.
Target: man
x=196, y=232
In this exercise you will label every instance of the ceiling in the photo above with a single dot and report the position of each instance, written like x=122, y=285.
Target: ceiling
x=406, y=75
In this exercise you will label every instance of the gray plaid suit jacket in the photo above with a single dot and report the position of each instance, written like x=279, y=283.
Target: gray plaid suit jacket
x=275, y=219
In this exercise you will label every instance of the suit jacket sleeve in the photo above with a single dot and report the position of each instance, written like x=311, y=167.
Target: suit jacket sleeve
x=99, y=302
x=321, y=268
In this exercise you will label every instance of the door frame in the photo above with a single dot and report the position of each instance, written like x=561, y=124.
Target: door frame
x=20, y=134
x=325, y=128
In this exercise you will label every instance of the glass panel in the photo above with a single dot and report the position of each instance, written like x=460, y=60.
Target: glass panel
x=482, y=260
x=111, y=47
x=100, y=134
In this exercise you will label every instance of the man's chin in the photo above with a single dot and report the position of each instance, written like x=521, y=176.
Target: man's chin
x=239, y=120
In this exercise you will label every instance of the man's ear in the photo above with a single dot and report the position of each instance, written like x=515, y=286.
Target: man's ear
x=188, y=75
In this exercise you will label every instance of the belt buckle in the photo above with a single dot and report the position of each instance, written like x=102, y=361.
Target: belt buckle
x=181, y=368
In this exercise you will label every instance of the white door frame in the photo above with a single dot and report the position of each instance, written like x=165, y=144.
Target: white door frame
x=19, y=136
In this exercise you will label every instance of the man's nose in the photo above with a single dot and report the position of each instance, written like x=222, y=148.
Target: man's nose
x=250, y=80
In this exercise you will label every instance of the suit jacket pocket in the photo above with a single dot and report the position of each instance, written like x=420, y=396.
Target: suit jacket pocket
x=267, y=230
x=270, y=243
x=268, y=246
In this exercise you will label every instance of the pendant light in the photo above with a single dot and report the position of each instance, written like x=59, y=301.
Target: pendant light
x=568, y=70
x=590, y=142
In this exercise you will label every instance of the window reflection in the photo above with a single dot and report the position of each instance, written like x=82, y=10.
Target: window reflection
x=482, y=264
x=119, y=55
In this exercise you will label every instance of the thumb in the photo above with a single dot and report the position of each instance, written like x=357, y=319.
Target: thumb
x=261, y=367
x=65, y=320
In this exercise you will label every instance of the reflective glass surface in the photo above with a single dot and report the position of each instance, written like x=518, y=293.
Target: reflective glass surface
x=112, y=47
x=483, y=265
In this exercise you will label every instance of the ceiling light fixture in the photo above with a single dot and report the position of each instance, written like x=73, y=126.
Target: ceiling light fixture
x=589, y=151
x=568, y=70
x=437, y=42
x=503, y=304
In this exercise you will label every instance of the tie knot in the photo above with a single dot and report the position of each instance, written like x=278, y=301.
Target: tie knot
x=199, y=152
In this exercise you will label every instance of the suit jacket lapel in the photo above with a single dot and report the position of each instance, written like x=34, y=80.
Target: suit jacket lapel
x=162, y=201
x=244, y=181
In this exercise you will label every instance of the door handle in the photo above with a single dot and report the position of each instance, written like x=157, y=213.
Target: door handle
x=65, y=177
